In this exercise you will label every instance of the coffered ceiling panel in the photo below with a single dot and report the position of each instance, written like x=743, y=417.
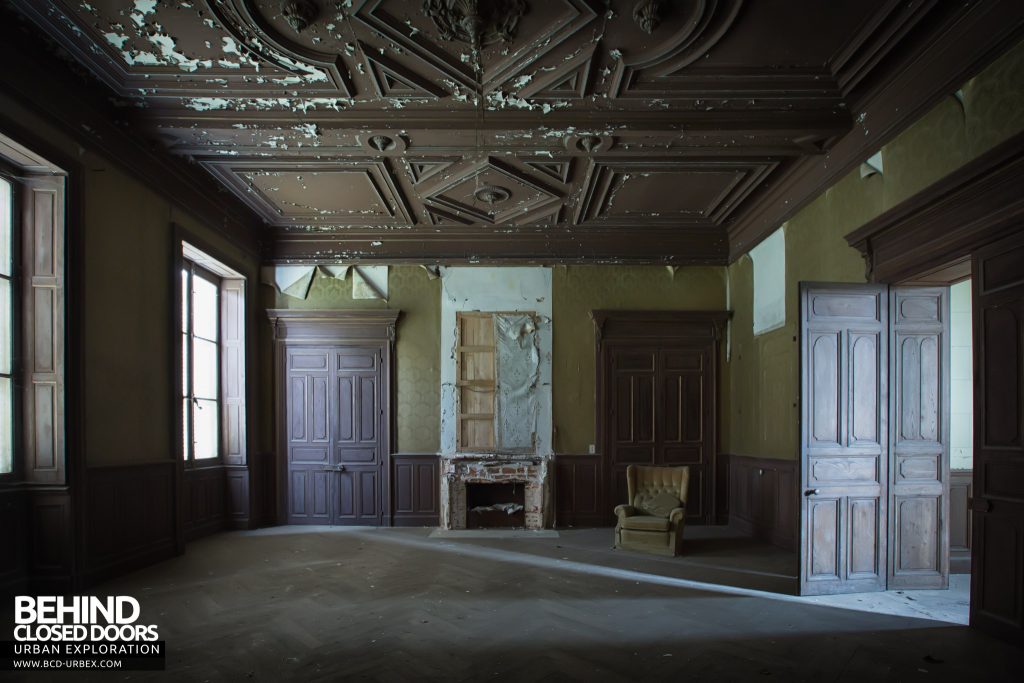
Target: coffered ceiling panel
x=490, y=128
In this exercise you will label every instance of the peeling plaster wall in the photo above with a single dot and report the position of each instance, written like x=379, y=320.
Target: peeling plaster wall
x=760, y=397
x=495, y=289
x=127, y=250
x=417, y=347
x=576, y=291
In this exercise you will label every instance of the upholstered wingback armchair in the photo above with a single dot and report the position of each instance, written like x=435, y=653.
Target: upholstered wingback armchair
x=653, y=519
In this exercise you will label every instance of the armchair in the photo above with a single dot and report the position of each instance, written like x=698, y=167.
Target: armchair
x=653, y=519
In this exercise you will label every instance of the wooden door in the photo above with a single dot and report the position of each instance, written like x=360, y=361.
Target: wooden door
x=308, y=417
x=997, y=560
x=632, y=435
x=334, y=414
x=356, y=456
x=682, y=420
x=843, y=431
x=659, y=415
x=918, y=536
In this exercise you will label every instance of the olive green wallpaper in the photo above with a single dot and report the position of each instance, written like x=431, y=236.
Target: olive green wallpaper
x=576, y=291
x=761, y=396
x=417, y=345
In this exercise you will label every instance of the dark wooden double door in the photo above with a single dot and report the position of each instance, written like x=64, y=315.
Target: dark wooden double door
x=334, y=417
x=657, y=376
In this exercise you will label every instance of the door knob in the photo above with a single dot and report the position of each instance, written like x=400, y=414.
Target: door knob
x=811, y=492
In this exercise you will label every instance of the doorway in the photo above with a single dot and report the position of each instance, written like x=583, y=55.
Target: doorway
x=657, y=399
x=334, y=416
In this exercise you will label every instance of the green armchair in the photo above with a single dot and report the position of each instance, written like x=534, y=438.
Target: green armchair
x=653, y=520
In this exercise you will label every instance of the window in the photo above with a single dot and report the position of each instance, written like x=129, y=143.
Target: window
x=32, y=225
x=200, y=329
x=7, y=327
x=769, y=258
x=212, y=391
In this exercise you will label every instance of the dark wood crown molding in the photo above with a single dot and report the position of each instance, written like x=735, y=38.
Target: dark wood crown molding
x=976, y=204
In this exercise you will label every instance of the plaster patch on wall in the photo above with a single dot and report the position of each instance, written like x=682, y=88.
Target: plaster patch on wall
x=517, y=365
x=505, y=290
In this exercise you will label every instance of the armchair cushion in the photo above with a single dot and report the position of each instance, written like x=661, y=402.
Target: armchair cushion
x=659, y=505
x=645, y=523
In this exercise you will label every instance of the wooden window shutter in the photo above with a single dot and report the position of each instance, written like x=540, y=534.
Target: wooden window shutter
x=232, y=312
x=42, y=364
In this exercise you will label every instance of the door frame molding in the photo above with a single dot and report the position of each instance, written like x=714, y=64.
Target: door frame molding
x=612, y=327
x=333, y=328
x=974, y=205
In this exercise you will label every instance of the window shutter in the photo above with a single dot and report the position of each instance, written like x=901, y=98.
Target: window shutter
x=232, y=312
x=43, y=339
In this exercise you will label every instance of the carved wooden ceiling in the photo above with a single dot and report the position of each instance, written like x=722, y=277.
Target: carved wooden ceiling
x=536, y=130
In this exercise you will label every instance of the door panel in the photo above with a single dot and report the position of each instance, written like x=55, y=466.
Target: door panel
x=919, y=448
x=844, y=461
x=356, y=448
x=308, y=406
x=997, y=552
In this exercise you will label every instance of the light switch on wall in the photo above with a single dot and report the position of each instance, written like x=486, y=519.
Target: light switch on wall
x=591, y=449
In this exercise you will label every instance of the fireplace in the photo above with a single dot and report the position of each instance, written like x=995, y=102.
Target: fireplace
x=491, y=481
x=495, y=506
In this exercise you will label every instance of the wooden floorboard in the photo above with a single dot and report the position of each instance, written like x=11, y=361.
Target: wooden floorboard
x=394, y=605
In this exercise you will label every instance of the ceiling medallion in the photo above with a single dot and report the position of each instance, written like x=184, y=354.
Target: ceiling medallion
x=492, y=194
x=588, y=143
x=477, y=22
x=647, y=15
x=299, y=13
x=382, y=143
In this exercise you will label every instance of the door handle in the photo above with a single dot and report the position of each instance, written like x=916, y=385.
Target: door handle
x=334, y=468
x=810, y=492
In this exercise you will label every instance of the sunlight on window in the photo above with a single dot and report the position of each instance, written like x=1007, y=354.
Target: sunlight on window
x=6, y=332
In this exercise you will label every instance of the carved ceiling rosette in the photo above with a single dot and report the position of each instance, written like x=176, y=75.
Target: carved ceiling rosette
x=476, y=22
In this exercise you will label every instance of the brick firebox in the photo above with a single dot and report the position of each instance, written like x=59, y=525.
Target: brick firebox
x=462, y=469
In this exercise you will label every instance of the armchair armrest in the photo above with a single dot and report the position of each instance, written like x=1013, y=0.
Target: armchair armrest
x=623, y=511
x=676, y=516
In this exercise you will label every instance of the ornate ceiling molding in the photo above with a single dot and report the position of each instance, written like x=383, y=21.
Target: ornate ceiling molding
x=704, y=192
x=279, y=191
x=253, y=33
x=696, y=30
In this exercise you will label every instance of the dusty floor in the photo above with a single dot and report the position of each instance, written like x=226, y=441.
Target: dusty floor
x=318, y=604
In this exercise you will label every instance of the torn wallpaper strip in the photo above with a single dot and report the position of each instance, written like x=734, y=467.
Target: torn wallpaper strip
x=294, y=281
x=370, y=282
x=517, y=361
x=337, y=272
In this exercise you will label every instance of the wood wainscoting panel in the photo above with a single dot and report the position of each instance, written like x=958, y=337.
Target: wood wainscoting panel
x=238, y=513
x=130, y=518
x=205, y=501
x=961, y=487
x=764, y=498
x=13, y=541
x=415, y=489
x=578, y=499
